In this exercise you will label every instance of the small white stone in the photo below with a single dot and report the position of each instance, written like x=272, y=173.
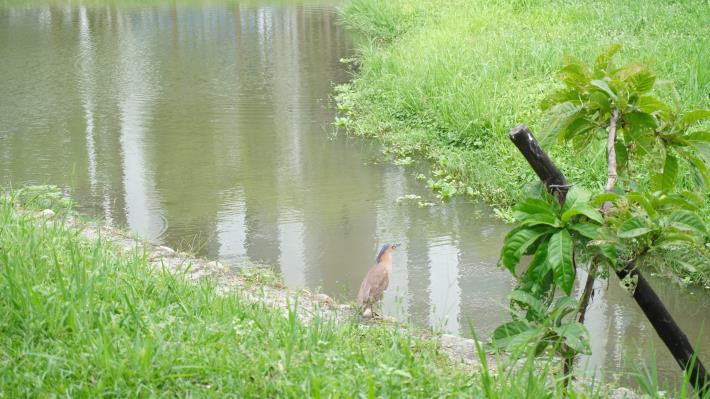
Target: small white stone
x=215, y=265
x=166, y=249
x=47, y=213
x=324, y=299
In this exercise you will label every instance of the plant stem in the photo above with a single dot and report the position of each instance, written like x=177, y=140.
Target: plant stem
x=611, y=157
x=587, y=293
x=610, y=183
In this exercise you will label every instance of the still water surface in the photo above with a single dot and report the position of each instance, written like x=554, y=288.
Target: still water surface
x=208, y=127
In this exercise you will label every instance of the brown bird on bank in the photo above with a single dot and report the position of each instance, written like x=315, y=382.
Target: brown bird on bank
x=376, y=280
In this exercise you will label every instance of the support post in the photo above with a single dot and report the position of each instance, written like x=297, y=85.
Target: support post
x=661, y=320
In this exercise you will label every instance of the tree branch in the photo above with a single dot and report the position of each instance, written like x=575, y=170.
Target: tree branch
x=610, y=183
x=611, y=154
x=588, y=286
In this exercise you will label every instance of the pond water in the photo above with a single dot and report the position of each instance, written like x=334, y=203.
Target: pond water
x=207, y=127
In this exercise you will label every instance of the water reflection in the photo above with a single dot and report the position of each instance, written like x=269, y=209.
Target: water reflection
x=444, y=290
x=86, y=84
x=206, y=127
x=135, y=91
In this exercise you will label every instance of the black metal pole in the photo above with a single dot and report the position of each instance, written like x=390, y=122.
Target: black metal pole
x=661, y=320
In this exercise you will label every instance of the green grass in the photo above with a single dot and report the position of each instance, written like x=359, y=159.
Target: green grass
x=119, y=3
x=79, y=319
x=449, y=79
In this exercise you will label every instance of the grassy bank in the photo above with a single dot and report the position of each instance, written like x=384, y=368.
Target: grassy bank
x=448, y=80
x=79, y=319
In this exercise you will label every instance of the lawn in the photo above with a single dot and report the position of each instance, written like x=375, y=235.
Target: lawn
x=79, y=318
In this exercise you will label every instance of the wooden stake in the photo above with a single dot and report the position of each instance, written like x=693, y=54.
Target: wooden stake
x=661, y=320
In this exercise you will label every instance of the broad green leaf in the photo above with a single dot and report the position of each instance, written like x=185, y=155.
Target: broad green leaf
x=686, y=220
x=523, y=340
x=532, y=206
x=634, y=227
x=639, y=120
x=685, y=201
x=619, y=87
x=600, y=199
x=532, y=304
x=693, y=198
x=603, y=60
x=582, y=141
x=538, y=267
x=673, y=238
x=606, y=248
x=576, y=336
x=574, y=75
x=696, y=116
x=540, y=218
x=651, y=104
x=603, y=86
x=698, y=137
x=701, y=142
x=642, y=81
x=641, y=139
x=610, y=252
x=505, y=333
x=622, y=155
x=559, y=255
x=655, y=182
x=558, y=97
x=517, y=241
x=564, y=306
x=698, y=165
x=644, y=202
x=577, y=127
x=588, y=230
x=670, y=173
x=576, y=196
x=599, y=101
x=583, y=209
x=559, y=117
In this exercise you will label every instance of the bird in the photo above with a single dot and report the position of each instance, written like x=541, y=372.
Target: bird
x=377, y=279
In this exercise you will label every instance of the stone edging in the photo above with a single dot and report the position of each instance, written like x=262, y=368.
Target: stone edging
x=227, y=279
x=459, y=350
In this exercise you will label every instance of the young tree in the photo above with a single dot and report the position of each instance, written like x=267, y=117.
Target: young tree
x=615, y=228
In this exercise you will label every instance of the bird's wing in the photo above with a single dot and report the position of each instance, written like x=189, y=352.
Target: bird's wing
x=371, y=285
x=378, y=279
x=363, y=295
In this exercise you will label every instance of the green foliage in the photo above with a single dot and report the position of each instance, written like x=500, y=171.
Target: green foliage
x=622, y=102
x=452, y=84
x=80, y=318
x=539, y=327
x=384, y=20
x=593, y=99
x=546, y=229
x=40, y=197
x=655, y=221
x=615, y=106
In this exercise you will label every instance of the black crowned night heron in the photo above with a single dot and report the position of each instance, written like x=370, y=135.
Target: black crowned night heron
x=376, y=280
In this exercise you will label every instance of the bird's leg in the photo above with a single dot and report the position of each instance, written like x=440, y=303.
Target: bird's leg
x=365, y=312
x=375, y=314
